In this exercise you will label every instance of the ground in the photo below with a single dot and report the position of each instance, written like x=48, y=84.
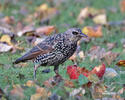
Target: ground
x=68, y=13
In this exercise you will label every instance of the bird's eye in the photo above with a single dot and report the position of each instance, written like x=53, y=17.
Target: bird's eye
x=74, y=33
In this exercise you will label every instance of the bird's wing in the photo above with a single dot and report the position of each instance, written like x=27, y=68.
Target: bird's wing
x=39, y=49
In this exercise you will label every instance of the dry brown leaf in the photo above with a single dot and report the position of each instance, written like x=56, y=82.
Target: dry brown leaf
x=83, y=14
x=41, y=94
x=93, y=31
x=110, y=46
x=69, y=83
x=29, y=19
x=17, y=91
x=100, y=19
x=122, y=6
x=121, y=63
x=96, y=52
x=9, y=19
x=36, y=96
x=110, y=57
x=88, y=12
x=43, y=12
x=26, y=30
x=73, y=57
x=46, y=30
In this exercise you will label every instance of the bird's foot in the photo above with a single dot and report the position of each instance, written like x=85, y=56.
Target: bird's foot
x=57, y=78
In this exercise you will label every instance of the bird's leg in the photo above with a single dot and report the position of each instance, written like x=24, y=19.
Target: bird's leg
x=57, y=78
x=35, y=69
x=56, y=70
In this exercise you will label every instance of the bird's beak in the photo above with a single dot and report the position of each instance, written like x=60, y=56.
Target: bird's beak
x=83, y=35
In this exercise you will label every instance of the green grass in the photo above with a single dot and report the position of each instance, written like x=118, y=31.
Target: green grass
x=9, y=74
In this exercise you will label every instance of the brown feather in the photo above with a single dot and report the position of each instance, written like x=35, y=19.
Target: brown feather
x=39, y=49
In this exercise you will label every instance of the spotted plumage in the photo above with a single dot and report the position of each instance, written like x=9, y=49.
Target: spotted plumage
x=54, y=50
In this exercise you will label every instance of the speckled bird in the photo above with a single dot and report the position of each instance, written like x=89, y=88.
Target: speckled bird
x=54, y=50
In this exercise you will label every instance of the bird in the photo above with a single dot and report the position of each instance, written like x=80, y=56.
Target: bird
x=53, y=50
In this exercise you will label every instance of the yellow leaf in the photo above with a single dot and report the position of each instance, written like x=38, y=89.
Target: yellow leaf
x=85, y=30
x=43, y=7
x=100, y=19
x=6, y=38
x=83, y=14
x=92, y=31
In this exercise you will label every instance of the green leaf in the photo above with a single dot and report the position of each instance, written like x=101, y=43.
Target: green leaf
x=82, y=79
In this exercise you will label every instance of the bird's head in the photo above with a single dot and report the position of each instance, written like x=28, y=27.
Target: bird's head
x=75, y=34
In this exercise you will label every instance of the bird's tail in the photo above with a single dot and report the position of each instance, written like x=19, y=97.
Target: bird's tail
x=19, y=60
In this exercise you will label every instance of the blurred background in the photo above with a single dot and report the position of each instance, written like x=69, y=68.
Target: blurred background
x=25, y=23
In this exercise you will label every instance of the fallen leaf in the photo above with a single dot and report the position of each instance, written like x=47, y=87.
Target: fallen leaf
x=110, y=57
x=94, y=12
x=93, y=31
x=5, y=47
x=100, y=19
x=68, y=83
x=73, y=57
x=27, y=30
x=44, y=12
x=41, y=94
x=83, y=14
x=42, y=7
x=44, y=93
x=110, y=46
x=96, y=52
x=6, y=39
x=122, y=6
x=76, y=91
x=9, y=19
x=72, y=72
x=110, y=73
x=89, y=12
x=4, y=30
x=121, y=63
x=81, y=55
x=46, y=30
x=36, y=96
x=17, y=92
x=99, y=70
